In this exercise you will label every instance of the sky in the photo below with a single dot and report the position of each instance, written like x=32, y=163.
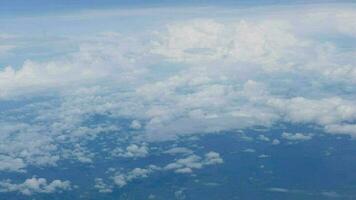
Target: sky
x=100, y=83
x=35, y=7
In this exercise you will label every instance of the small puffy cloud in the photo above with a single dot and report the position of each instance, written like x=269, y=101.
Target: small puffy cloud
x=249, y=150
x=135, y=124
x=79, y=153
x=35, y=185
x=263, y=138
x=264, y=156
x=213, y=158
x=122, y=179
x=275, y=142
x=185, y=170
x=132, y=151
x=178, y=150
x=101, y=186
x=296, y=136
x=185, y=165
x=188, y=164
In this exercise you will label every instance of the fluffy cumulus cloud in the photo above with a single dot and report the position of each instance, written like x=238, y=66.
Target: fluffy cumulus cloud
x=180, y=77
x=188, y=164
x=131, y=151
x=122, y=179
x=35, y=185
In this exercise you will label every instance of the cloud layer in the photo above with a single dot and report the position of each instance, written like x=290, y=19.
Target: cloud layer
x=176, y=78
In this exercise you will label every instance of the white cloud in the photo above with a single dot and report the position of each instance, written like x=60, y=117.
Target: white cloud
x=178, y=150
x=181, y=166
x=263, y=138
x=349, y=129
x=296, y=136
x=76, y=69
x=185, y=165
x=283, y=190
x=213, y=158
x=320, y=111
x=78, y=153
x=208, y=40
x=35, y=185
x=264, y=156
x=249, y=150
x=191, y=162
x=8, y=163
x=334, y=20
x=122, y=179
x=135, y=124
x=195, y=76
x=132, y=151
x=23, y=144
x=101, y=186
x=136, y=151
x=276, y=142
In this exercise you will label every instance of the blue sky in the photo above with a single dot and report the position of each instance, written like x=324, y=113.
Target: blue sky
x=38, y=7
